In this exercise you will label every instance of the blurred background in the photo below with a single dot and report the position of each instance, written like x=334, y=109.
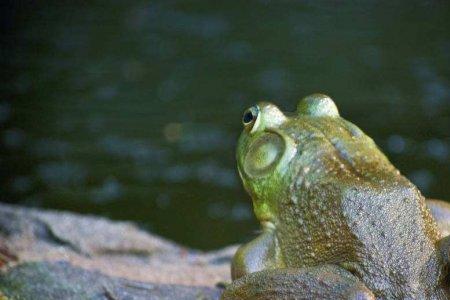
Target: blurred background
x=131, y=109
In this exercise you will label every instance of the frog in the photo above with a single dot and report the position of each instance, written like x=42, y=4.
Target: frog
x=338, y=220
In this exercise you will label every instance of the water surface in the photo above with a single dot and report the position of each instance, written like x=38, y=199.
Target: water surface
x=132, y=109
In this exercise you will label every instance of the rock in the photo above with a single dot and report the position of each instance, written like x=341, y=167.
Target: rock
x=72, y=252
x=61, y=280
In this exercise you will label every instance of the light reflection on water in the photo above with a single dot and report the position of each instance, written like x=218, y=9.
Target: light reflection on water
x=132, y=110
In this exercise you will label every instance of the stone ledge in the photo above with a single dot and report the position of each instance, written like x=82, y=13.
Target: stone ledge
x=66, y=247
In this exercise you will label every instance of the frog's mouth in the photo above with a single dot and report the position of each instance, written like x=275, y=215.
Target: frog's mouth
x=267, y=225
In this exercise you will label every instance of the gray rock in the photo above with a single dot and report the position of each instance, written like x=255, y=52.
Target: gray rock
x=60, y=280
x=59, y=255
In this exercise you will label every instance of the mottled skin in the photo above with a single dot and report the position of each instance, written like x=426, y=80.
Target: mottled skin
x=338, y=219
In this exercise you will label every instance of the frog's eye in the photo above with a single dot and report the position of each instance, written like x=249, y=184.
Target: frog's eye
x=317, y=105
x=250, y=116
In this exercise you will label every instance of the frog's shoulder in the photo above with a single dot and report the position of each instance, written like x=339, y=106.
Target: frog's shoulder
x=378, y=210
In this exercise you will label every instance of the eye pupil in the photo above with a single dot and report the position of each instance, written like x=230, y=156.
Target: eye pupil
x=248, y=117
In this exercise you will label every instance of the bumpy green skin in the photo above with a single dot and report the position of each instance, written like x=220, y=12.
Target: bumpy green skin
x=327, y=196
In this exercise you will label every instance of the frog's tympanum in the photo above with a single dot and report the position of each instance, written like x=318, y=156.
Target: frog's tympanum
x=338, y=220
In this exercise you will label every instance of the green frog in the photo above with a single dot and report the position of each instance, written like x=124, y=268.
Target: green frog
x=338, y=220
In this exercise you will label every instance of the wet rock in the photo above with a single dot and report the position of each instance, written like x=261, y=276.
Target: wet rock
x=61, y=280
x=59, y=255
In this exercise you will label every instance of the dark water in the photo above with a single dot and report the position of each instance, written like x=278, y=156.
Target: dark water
x=131, y=109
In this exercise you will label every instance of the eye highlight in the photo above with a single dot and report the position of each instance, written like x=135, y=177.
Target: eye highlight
x=250, y=116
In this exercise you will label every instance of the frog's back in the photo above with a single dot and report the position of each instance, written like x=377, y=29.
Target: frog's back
x=396, y=253
x=383, y=217
x=395, y=233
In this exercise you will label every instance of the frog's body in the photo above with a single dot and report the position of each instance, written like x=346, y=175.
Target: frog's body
x=328, y=198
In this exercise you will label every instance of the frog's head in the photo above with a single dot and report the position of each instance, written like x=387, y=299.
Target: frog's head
x=275, y=146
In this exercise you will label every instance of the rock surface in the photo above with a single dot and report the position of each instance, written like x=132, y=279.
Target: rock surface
x=59, y=255
x=61, y=280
